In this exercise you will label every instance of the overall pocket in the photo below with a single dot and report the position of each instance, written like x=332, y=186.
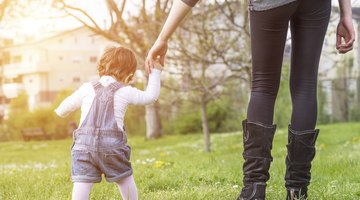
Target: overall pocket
x=80, y=162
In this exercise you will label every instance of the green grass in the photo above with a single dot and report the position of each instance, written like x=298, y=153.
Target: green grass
x=175, y=167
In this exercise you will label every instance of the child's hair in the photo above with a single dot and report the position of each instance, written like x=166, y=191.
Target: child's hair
x=119, y=62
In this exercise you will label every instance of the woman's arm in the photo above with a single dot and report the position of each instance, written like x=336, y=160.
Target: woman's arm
x=345, y=29
x=177, y=13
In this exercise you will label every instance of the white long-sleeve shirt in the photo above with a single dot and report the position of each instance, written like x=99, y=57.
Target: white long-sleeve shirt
x=84, y=96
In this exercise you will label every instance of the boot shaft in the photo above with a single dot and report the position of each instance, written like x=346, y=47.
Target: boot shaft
x=257, y=139
x=301, y=152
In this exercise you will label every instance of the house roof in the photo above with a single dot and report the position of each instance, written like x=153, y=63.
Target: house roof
x=57, y=35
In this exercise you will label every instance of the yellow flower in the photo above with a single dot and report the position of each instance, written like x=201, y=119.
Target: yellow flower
x=159, y=164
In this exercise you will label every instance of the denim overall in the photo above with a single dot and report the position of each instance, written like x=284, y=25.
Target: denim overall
x=99, y=145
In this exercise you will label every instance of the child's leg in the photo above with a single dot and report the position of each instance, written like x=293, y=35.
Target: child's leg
x=81, y=191
x=127, y=188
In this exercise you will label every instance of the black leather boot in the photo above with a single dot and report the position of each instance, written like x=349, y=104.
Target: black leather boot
x=301, y=151
x=258, y=140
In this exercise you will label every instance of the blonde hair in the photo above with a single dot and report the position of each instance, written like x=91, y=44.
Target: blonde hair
x=119, y=62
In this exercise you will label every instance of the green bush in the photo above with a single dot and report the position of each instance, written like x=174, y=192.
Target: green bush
x=20, y=118
x=221, y=118
x=134, y=121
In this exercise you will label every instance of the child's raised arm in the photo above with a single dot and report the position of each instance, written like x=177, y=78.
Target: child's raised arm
x=151, y=93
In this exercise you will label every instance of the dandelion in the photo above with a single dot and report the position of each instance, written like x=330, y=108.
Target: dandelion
x=159, y=164
x=321, y=146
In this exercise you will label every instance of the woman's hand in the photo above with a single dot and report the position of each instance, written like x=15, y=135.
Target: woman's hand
x=156, y=54
x=345, y=32
x=178, y=11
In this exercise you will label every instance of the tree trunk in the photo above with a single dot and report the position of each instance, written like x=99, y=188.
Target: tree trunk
x=205, y=126
x=153, y=123
x=339, y=97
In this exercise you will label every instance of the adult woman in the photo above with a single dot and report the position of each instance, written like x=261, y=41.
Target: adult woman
x=269, y=21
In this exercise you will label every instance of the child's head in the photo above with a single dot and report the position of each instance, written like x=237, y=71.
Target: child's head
x=118, y=62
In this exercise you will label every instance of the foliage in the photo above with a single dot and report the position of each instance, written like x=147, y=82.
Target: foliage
x=44, y=117
x=323, y=115
x=186, y=121
x=175, y=167
x=222, y=117
x=135, y=121
x=18, y=116
x=283, y=105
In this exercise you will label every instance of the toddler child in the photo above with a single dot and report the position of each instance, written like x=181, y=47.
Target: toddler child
x=100, y=142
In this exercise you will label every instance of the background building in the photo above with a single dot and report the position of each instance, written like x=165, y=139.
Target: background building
x=43, y=68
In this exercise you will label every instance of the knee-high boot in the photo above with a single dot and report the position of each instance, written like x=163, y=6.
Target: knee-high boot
x=258, y=140
x=301, y=151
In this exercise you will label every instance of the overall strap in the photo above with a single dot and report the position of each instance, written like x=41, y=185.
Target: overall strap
x=97, y=85
x=115, y=86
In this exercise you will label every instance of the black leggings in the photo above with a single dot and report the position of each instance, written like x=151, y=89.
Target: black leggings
x=308, y=23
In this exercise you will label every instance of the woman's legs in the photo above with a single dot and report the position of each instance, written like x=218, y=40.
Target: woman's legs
x=127, y=188
x=268, y=35
x=308, y=28
x=81, y=191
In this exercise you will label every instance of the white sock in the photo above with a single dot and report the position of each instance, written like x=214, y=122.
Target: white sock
x=127, y=188
x=81, y=191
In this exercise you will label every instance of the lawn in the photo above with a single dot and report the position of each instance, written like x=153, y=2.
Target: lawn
x=175, y=167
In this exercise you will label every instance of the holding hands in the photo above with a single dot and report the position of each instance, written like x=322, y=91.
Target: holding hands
x=157, y=65
x=156, y=56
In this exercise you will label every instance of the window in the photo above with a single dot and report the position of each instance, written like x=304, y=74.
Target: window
x=93, y=59
x=76, y=59
x=17, y=59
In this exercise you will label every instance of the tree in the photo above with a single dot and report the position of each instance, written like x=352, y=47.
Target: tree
x=208, y=53
x=138, y=30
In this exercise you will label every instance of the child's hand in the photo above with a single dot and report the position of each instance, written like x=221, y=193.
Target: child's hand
x=158, y=65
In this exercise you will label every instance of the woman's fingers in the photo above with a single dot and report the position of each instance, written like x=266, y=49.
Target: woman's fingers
x=148, y=65
x=162, y=60
x=344, y=49
x=350, y=42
